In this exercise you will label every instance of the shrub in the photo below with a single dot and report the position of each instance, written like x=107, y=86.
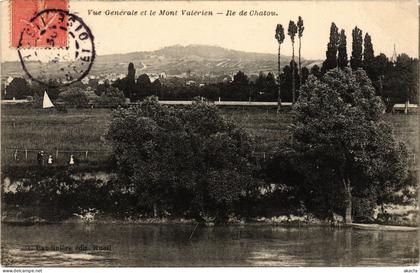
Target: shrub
x=74, y=97
x=112, y=97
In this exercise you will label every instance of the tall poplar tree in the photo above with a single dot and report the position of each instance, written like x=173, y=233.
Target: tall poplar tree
x=368, y=56
x=357, y=48
x=342, y=59
x=292, y=30
x=332, y=47
x=280, y=38
x=131, y=81
x=301, y=28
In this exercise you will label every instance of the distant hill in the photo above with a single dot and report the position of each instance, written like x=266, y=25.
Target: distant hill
x=177, y=59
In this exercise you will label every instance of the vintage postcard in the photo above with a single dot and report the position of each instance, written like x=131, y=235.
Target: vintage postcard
x=209, y=133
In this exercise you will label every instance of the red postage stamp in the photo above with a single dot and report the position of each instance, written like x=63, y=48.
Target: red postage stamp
x=32, y=27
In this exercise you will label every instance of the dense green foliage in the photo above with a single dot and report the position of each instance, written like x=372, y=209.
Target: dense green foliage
x=18, y=89
x=111, y=97
x=332, y=47
x=342, y=59
x=400, y=82
x=395, y=81
x=368, y=54
x=190, y=161
x=357, y=48
x=342, y=150
x=74, y=97
x=40, y=129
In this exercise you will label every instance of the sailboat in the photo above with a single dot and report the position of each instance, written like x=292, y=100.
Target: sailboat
x=47, y=102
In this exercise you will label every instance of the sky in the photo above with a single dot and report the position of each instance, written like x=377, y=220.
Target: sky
x=388, y=23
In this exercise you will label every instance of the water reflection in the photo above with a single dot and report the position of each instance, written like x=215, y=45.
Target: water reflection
x=169, y=245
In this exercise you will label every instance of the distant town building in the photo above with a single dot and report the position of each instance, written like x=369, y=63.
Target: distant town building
x=85, y=80
x=153, y=76
x=394, y=56
x=191, y=83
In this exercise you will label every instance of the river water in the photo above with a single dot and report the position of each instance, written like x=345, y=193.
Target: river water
x=169, y=245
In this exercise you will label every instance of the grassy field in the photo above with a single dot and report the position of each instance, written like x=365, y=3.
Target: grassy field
x=82, y=130
x=75, y=132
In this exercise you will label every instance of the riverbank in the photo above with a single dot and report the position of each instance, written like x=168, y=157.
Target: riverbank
x=30, y=216
x=19, y=219
x=290, y=220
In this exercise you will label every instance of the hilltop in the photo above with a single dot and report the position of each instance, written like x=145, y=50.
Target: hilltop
x=176, y=60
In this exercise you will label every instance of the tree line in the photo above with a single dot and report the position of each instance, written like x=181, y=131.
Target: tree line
x=343, y=158
x=395, y=79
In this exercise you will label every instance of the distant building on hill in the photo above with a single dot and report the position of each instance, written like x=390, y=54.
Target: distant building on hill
x=394, y=56
x=191, y=83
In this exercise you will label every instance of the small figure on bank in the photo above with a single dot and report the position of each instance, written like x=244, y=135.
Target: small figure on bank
x=40, y=158
x=50, y=160
x=71, y=162
x=15, y=155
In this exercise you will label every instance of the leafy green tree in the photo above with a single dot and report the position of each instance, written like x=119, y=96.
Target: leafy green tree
x=301, y=28
x=332, y=47
x=111, y=97
x=266, y=87
x=287, y=80
x=280, y=38
x=143, y=87
x=315, y=71
x=101, y=88
x=291, y=31
x=18, y=89
x=304, y=74
x=156, y=87
x=270, y=80
x=368, y=56
x=74, y=97
x=239, y=88
x=210, y=92
x=240, y=78
x=38, y=90
x=381, y=64
x=342, y=60
x=344, y=148
x=92, y=83
x=401, y=81
x=190, y=161
x=128, y=83
x=260, y=81
x=357, y=49
x=380, y=67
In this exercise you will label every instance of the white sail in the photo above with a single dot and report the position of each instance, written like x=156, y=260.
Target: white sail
x=47, y=102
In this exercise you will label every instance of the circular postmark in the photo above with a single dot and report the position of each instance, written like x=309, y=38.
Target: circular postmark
x=56, y=48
